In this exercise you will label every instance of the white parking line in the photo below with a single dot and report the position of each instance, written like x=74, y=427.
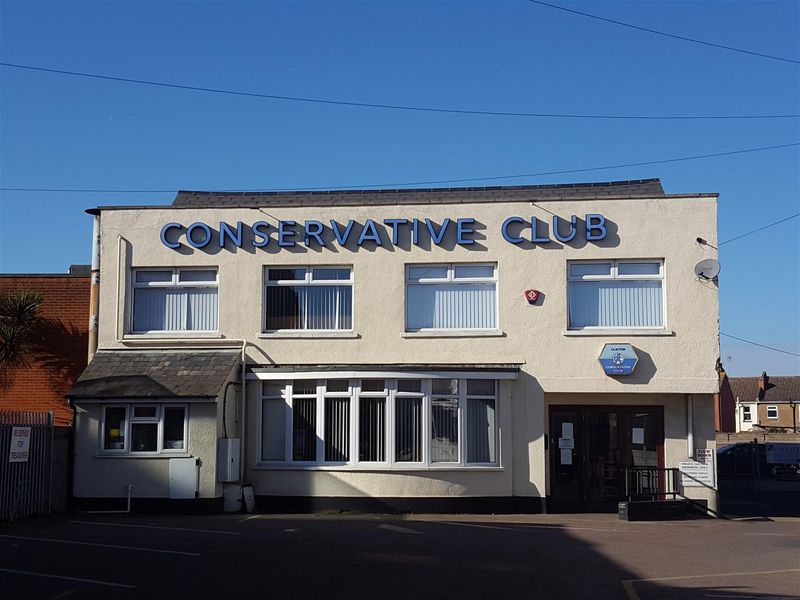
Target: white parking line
x=398, y=528
x=78, y=579
x=57, y=541
x=156, y=527
x=634, y=595
x=523, y=526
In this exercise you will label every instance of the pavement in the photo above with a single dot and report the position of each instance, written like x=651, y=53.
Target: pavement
x=397, y=557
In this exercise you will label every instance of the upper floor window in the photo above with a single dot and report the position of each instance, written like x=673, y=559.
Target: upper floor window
x=314, y=298
x=143, y=428
x=772, y=412
x=451, y=297
x=166, y=300
x=616, y=293
x=747, y=416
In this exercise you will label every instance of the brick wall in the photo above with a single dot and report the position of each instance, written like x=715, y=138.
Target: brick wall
x=784, y=415
x=41, y=386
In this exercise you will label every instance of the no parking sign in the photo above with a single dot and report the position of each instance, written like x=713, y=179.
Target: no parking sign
x=20, y=444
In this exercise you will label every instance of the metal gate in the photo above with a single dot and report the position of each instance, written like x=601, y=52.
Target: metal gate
x=25, y=485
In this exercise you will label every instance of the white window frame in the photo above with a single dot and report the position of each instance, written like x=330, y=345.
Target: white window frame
x=747, y=414
x=615, y=276
x=451, y=278
x=390, y=393
x=307, y=281
x=158, y=419
x=174, y=283
x=774, y=408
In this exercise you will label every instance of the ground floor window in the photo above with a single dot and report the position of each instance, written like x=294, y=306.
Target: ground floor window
x=145, y=428
x=380, y=422
x=747, y=416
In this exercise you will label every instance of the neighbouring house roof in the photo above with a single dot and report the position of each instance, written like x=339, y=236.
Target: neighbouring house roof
x=155, y=374
x=778, y=389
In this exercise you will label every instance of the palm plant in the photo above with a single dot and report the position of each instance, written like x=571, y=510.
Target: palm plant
x=21, y=324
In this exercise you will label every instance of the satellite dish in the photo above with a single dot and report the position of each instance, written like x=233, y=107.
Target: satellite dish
x=707, y=269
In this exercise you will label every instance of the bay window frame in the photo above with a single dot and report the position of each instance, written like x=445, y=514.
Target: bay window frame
x=131, y=420
x=390, y=394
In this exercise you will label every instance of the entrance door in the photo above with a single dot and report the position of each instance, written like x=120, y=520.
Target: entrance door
x=587, y=472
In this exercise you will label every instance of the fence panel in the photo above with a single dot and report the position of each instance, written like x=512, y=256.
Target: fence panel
x=25, y=487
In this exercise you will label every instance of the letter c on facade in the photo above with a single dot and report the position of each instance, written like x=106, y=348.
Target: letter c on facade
x=508, y=237
x=164, y=240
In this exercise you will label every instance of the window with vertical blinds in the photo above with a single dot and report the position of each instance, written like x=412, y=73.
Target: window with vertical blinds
x=174, y=300
x=616, y=294
x=456, y=296
x=315, y=298
x=377, y=422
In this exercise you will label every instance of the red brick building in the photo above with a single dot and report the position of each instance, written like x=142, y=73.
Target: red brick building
x=42, y=386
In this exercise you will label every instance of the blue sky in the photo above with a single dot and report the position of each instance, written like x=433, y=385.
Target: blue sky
x=68, y=132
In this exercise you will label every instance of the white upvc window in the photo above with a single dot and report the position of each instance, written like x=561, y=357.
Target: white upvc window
x=747, y=415
x=144, y=429
x=451, y=297
x=616, y=294
x=772, y=412
x=175, y=300
x=308, y=298
x=380, y=423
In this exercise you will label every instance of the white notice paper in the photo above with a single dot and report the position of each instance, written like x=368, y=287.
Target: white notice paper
x=638, y=435
x=566, y=430
x=566, y=457
x=566, y=443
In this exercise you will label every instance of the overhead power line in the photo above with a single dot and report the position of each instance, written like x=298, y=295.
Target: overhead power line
x=403, y=107
x=759, y=345
x=738, y=237
x=665, y=34
x=412, y=183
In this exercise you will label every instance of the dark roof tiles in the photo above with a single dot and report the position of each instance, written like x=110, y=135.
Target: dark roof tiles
x=155, y=374
x=778, y=389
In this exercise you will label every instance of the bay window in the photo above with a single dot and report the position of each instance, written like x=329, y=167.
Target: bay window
x=611, y=294
x=379, y=423
x=174, y=300
x=308, y=298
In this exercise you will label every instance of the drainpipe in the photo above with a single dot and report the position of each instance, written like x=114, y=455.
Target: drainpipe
x=243, y=432
x=94, y=295
x=690, y=425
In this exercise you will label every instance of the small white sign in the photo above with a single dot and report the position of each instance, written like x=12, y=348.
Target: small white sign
x=20, y=444
x=704, y=455
x=638, y=435
x=566, y=457
x=566, y=443
x=566, y=430
x=696, y=474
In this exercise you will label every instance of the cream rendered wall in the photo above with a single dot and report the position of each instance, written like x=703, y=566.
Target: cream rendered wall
x=551, y=362
x=104, y=476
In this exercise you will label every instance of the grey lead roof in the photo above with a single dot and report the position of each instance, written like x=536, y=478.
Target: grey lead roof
x=638, y=188
x=155, y=374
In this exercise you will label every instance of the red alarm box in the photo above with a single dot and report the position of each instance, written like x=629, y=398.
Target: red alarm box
x=532, y=296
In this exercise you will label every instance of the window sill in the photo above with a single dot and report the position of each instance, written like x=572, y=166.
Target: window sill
x=616, y=332
x=309, y=335
x=372, y=469
x=128, y=455
x=462, y=333
x=178, y=335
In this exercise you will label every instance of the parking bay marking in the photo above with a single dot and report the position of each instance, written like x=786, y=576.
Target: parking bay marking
x=63, y=577
x=156, y=527
x=398, y=528
x=523, y=526
x=136, y=548
x=634, y=595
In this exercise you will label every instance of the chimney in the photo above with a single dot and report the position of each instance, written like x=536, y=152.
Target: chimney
x=763, y=381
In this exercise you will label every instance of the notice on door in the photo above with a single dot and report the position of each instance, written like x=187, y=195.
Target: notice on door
x=566, y=443
x=566, y=457
x=637, y=436
x=20, y=444
x=566, y=430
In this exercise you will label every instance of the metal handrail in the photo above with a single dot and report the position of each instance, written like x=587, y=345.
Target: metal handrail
x=651, y=483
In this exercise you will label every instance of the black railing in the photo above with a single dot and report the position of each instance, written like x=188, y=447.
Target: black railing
x=651, y=483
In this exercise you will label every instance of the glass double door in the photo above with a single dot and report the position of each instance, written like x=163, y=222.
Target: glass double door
x=591, y=446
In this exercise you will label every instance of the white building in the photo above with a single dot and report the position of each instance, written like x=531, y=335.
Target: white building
x=403, y=350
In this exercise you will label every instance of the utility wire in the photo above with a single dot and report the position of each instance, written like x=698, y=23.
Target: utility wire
x=760, y=345
x=416, y=183
x=432, y=109
x=664, y=33
x=738, y=237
